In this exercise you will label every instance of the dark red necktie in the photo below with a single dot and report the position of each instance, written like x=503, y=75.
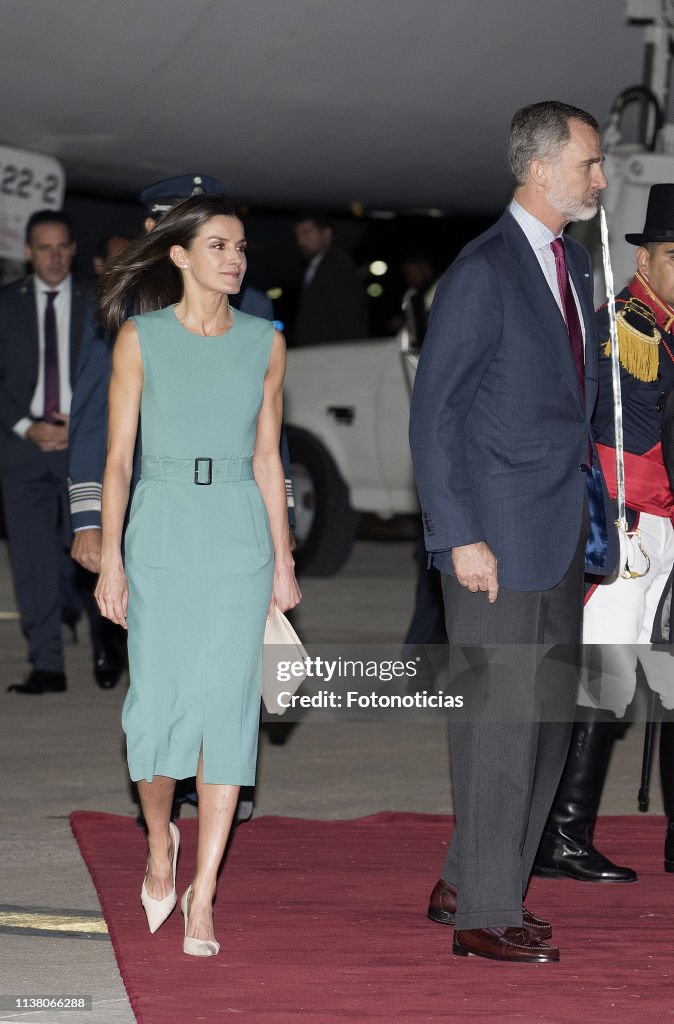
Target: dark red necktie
x=570, y=310
x=52, y=398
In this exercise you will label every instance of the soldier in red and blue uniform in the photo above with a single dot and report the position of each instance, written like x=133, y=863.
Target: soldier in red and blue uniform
x=620, y=612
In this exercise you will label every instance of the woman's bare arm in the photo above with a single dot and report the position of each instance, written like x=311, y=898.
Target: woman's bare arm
x=269, y=475
x=124, y=404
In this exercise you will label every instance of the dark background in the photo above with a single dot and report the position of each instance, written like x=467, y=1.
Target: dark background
x=273, y=261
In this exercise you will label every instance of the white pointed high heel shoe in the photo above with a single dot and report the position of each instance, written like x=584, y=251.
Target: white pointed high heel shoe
x=158, y=910
x=196, y=947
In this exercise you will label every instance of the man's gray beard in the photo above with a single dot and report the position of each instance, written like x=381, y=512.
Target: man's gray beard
x=570, y=208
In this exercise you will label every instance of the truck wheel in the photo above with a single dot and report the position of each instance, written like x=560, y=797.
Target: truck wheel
x=326, y=523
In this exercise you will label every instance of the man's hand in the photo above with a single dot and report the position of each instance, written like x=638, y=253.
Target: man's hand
x=475, y=568
x=50, y=437
x=86, y=549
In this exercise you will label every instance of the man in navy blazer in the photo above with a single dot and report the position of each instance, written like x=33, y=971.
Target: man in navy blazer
x=510, y=487
x=41, y=325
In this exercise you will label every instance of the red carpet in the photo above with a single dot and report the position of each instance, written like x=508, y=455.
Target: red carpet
x=324, y=922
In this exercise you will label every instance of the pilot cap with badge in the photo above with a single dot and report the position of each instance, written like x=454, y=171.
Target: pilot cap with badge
x=162, y=196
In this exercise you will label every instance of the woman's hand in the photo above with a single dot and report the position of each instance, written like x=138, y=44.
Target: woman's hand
x=112, y=595
x=285, y=591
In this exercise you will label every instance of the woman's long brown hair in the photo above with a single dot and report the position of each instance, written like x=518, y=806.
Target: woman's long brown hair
x=145, y=278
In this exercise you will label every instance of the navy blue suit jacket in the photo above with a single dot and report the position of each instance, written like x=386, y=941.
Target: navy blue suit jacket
x=19, y=360
x=499, y=434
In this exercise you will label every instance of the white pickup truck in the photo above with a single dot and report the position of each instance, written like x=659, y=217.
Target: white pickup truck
x=347, y=413
x=347, y=404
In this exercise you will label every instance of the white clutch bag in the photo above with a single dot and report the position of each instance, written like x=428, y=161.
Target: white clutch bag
x=284, y=666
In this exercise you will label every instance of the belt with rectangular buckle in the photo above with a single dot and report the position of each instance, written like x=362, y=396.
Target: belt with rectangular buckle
x=197, y=472
x=201, y=471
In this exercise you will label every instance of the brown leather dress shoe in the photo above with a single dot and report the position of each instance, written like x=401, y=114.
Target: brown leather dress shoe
x=513, y=945
x=442, y=908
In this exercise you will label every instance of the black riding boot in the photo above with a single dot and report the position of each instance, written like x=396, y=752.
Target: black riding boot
x=566, y=848
x=667, y=780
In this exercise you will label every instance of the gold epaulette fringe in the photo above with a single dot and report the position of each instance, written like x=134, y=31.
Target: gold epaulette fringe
x=639, y=353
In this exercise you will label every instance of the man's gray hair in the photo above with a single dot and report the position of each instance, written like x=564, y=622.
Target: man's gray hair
x=540, y=132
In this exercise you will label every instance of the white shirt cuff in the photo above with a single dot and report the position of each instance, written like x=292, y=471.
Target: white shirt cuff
x=22, y=426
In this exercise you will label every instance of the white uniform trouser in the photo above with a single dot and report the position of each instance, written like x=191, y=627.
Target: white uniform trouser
x=619, y=615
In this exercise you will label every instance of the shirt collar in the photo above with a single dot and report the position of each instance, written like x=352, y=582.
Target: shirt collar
x=538, y=235
x=663, y=312
x=41, y=286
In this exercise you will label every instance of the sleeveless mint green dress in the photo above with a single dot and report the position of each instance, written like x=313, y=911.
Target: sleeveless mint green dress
x=198, y=554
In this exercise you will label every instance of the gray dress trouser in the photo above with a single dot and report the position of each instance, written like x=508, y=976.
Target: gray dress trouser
x=516, y=662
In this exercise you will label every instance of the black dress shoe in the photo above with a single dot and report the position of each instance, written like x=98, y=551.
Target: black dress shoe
x=513, y=945
x=442, y=908
x=278, y=732
x=107, y=671
x=40, y=681
x=245, y=806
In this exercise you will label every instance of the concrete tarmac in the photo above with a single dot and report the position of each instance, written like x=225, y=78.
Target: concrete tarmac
x=65, y=752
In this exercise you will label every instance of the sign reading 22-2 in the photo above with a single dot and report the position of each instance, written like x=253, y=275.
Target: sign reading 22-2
x=20, y=181
x=28, y=182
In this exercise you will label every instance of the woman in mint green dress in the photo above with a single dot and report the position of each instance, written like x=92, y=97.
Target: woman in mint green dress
x=206, y=551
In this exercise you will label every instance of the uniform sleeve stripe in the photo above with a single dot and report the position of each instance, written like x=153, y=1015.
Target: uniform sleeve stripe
x=290, y=496
x=85, y=497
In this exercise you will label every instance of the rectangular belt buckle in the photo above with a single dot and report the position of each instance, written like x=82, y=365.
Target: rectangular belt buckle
x=203, y=483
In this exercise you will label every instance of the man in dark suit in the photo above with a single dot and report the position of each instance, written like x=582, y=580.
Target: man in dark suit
x=332, y=305
x=41, y=322
x=506, y=471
